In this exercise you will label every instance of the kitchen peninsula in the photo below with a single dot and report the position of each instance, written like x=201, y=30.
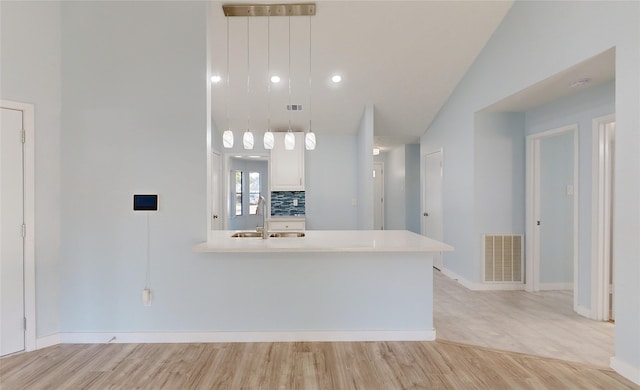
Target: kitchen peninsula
x=332, y=285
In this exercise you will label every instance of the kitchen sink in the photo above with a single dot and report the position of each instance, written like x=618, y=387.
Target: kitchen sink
x=286, y=234
x=247, y=235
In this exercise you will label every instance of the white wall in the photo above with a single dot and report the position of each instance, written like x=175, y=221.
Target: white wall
x=30, y=73
x=331, y=184
x=364, y=145
x=535, y=41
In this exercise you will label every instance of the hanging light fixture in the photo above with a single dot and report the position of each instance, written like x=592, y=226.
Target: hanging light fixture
x=227, y=135
x=269, y=139
x=247, y=138
x=310, y=137
x=289, y=138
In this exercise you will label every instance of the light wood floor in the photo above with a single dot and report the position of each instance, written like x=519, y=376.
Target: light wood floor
x=542, y=324
x=370, y=365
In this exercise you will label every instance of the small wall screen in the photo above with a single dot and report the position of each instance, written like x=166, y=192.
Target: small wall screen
x=145, y=202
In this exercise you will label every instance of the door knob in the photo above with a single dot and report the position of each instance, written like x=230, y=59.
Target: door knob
x=215, y=216
x=425, y=214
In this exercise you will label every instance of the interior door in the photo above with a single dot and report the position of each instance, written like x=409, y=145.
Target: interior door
x=556, y=194
x=378, y=196
x=12, y=336
x=432, y=214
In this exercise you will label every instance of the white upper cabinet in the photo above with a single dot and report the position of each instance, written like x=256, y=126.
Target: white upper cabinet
x=286, y=168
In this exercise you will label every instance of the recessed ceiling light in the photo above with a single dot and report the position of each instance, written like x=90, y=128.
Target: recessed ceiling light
x=580, y=82
x=216, y=79
x=336, y=78
x=275, y=79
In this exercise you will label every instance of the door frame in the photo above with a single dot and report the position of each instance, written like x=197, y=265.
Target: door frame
x=210, y=192
x=601, y=214
x=423, y=203
x=28, y=125
x=532, y=275
x=383, y=209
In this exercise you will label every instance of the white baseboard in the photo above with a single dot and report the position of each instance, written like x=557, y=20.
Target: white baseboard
x=47, y=341
x=555, y=286
x=241, y=337
x=583, y=311
x=626, y=370
x=482, y=286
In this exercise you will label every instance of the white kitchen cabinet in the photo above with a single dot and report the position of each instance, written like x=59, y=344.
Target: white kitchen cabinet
x=286, y=168
x=286, y=224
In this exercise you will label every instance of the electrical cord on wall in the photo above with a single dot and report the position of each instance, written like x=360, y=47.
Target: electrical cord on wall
x=147, y=281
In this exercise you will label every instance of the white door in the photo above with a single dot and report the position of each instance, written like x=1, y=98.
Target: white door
x=12, y=336
x=432, y=209
x=378, y=196
x=216, y=192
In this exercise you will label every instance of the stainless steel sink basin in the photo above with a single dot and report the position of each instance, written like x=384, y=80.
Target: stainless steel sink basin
x=286, y=234
x=247, y=235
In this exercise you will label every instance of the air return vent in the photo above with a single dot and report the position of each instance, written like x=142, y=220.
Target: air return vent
x=503, y=254
x=294, y=107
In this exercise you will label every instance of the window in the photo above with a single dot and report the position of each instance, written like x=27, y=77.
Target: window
x=254, y=192
x=238, y=192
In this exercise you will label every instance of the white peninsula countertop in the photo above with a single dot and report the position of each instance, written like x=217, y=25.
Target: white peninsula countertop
x=325, y=241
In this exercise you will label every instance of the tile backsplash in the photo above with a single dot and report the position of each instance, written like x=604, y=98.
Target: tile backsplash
x=282, y=203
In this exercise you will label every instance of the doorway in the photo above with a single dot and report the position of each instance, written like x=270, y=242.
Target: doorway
x=378, y=196
x=602, y=218
x=247, y=180
x=216, y=192
x=432, y=202
x=17, y=258
x=552, y=210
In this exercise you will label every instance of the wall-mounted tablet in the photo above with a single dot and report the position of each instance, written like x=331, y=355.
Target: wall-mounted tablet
x=145, y=202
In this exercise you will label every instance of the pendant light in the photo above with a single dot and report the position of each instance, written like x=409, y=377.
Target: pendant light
x=247, y=138
x=310, y=137
x=269, y=139
x=227, y=135
x=289, y=138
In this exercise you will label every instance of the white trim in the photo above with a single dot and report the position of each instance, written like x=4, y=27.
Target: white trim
x=626, y=370
x=48, y=341
x=502, y=286
x=599, y=216
x=556, y=286
x=238, y=337
x=583, y=311
x=28, y=121
x=532, y=207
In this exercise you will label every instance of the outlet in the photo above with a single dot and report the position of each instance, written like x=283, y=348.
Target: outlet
x=146, y=297
x=295, y=202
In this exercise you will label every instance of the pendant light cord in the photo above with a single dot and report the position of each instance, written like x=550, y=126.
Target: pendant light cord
x=228, y=90
x=290, y=73
x=269, y=73
x=248, y=77
x=309, y=73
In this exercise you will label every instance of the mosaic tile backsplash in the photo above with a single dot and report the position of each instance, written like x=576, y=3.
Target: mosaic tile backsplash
x=282, y=203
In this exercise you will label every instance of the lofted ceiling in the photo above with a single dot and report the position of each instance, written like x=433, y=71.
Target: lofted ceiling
x=404, y=57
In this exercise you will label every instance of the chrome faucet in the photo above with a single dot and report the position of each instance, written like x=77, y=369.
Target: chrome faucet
x=263, y=229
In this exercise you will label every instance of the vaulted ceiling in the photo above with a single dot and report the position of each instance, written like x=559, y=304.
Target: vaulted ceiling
x=404, y=57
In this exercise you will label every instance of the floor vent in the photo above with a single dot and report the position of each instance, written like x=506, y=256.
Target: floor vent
x=503, y=254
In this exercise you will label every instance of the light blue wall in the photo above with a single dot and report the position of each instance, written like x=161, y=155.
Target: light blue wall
x=535, y=41
x=580, y=108
x=412, y=187
x=556, y=209
x=364, y=148
x=134, y=120
x=30, y=73
x=331, y=183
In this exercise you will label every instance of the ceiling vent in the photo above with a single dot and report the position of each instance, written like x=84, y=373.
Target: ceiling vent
x=294, y=107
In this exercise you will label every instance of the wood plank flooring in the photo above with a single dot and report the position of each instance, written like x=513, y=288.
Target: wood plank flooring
x=364, y=365
x=542, y=323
